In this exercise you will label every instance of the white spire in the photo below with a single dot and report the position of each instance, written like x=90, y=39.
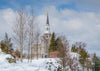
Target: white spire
x=47, y=26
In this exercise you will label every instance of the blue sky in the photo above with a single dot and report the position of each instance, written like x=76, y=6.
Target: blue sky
x=77, y=19
x=36, y=4
x=84, y=5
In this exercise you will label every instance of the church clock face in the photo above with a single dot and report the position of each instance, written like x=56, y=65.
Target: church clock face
x=47, y=37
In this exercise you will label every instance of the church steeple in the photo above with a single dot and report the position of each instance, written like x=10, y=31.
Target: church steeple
x=47, y=18
x=47, y=26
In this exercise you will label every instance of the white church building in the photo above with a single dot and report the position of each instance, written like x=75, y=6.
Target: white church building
x=45, y=41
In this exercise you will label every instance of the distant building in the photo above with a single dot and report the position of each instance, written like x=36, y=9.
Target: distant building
x=45, y=41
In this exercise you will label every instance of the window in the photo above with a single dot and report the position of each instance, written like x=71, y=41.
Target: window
x=47, y=29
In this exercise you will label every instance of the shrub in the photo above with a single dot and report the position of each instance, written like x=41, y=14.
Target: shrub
x=59, y=69
x=10, y=60
x=6, y=45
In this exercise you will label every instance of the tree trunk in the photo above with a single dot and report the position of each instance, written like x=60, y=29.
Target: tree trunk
x=64, y=69
x=31, y=51
x=37, y=49
x=21, y=54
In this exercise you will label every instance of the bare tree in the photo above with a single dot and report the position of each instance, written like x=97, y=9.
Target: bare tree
x=28, y=48
x=20, y=30
x=30, y=34
x=37, y=38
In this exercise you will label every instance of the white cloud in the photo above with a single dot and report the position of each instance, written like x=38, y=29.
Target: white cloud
x=6, y=20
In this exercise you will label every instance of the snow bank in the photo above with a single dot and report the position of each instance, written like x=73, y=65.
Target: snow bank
x=36, y=65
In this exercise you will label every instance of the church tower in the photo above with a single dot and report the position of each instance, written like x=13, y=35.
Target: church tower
x=43, y=47
x=46, y=39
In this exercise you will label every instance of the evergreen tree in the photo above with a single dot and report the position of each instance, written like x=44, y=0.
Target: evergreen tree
x=6, y=45
x=94, y=56
x=56, y=41
x=74, y=48
x=83, y=57
x=52, y=43
x=96, y=62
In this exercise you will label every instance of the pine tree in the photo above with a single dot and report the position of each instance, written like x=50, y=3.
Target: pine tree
x=52, y=43
x=6, y=45
x=94, y=56
x=83, y=57
x=74, y=49
x=57, y=40
x=96, y=62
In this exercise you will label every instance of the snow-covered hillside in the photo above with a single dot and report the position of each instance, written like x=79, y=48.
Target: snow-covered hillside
x=36, y=65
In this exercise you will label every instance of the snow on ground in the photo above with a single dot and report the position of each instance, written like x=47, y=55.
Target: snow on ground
x=46, y=64
x=36, y=65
